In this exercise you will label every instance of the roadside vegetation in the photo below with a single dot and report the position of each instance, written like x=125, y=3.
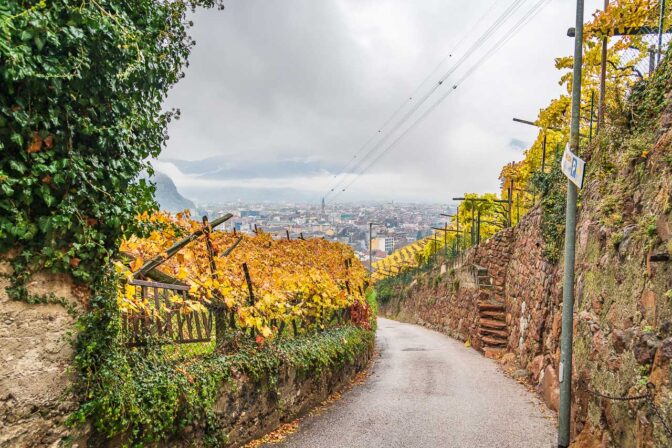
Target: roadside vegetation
x=82, y=88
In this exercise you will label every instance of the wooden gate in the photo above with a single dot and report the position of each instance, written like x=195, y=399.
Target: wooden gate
x=168, y=321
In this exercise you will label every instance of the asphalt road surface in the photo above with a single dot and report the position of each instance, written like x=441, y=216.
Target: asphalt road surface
x=428, y=390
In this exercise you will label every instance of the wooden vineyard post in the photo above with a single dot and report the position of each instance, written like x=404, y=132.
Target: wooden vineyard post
x=175, y=248
x=219, y=309
x=347, y=282
x=248, y=280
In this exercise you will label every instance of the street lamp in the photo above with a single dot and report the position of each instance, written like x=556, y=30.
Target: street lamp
x=543, y=146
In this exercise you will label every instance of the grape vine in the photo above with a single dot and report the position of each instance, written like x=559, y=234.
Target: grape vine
x=304, y=280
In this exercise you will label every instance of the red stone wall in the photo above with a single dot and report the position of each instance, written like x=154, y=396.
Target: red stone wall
x=623, y=320
x=442, y=302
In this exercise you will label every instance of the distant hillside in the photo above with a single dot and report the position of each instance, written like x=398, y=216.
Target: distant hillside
x=167, y=195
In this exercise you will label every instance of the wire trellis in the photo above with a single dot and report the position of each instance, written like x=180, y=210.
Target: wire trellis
x=646, y=45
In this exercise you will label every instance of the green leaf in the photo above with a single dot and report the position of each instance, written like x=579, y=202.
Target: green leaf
x=17, y=138
x=17, y=166
x=39, y=42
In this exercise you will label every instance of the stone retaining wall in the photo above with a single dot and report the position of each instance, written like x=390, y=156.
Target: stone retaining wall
x=623, y=319
x=36, y=354
x=36, y=379
x=247, y=410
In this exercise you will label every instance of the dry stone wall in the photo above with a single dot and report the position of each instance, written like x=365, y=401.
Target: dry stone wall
x=37, y=379
x=623, y=317
x=247, y=410
x=522, y=279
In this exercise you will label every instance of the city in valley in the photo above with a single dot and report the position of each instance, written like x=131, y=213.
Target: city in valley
x=392, y=225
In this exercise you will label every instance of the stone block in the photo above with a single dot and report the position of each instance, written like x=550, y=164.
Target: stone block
x=550, y=388
x=647, y=306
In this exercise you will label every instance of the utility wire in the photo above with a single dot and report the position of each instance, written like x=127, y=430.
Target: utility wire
x=345, y=168
x=520, y=24
x=479, y=42
x=510, y=10
x=514, y=30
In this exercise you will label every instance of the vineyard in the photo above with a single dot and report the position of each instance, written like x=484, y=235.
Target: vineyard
x=408, y=257
x=261, y=284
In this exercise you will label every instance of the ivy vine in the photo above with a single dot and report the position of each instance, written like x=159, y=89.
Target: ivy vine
x=81, y=89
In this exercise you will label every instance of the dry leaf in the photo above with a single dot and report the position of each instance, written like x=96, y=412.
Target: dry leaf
x=35, y=143
x=137, y=264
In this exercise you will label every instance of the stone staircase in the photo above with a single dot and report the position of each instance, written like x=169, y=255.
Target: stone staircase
x=492, y=329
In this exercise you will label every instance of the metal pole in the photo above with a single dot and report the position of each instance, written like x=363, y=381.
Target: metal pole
x=457, y=237
x=603, y=79
x=543, y=154
x=592, y=102
x=445, y=240
x=472, y=223
x=370, y=249
x=478, y=234
x=660, y=29
x=566, y=337
x=510, y=199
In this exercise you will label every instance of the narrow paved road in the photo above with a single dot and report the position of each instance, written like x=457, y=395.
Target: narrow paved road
x=428, y=390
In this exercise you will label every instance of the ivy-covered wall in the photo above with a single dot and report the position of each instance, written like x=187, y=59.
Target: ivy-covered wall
x=224, y=400
x=82, y=85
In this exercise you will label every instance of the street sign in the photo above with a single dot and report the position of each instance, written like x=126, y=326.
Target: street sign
x=573, y=167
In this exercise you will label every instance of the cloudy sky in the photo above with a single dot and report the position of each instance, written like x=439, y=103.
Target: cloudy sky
x=280, y=96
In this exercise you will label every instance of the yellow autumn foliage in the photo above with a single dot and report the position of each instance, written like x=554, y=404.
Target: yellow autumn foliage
x=305, y=279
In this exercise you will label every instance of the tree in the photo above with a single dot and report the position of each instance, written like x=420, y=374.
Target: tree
x=81, y=91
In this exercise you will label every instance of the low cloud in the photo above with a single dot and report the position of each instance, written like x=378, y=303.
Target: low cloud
x=306, y=81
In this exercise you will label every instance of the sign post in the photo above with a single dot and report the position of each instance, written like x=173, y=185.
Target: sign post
x=573, y=168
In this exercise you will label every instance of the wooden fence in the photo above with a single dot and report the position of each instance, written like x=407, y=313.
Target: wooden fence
x=169, y=321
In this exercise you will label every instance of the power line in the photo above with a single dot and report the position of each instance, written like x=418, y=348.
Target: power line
x=524, y=20
x=510, y=10
x=514, y=30
x=475, y=46
x=345, y=168
x=516, y=27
